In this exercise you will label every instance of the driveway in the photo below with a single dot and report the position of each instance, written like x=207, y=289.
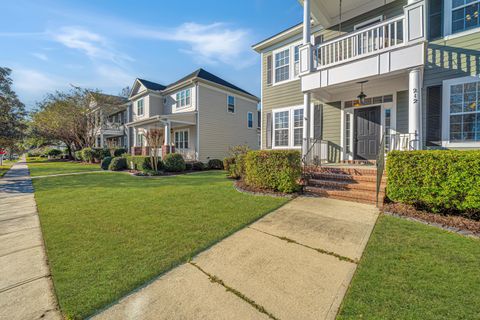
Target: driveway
x=295, y=263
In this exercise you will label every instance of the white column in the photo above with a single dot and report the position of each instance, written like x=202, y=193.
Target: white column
x=306, y=123
x=101, y=140
x=168, y=140
x=306, y=22
x=414, y=104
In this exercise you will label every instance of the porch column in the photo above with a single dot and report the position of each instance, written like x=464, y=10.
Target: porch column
x=414, y=105
x=168, y=139
x=306, y=22
x=101, y=140
x=306, y=123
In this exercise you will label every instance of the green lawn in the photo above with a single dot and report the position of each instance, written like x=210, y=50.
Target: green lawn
x=7, y=164
x=43, y=167
x=413, y=271
x=108, y=234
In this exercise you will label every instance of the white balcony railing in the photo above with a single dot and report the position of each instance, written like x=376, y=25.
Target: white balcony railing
x=375, y=39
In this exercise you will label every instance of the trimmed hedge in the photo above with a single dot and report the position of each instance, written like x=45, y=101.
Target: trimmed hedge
x=198, y=166
x=88, y=154
x=215, y=164
x=106, y=163
x=277, y=170
x=439, y=181
x=118, y=164
x=141, y=163
x=100, y=153
x=174, y=162
x=53, y=152
x=119, y=152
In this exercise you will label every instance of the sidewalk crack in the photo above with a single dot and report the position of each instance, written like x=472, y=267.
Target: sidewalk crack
x=235, y=292
x=330, y=253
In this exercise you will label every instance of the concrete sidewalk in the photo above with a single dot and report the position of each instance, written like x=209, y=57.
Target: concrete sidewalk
x=295, y=263
x=26, y=290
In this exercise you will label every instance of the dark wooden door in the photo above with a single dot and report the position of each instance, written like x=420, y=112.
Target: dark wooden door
x=367, y=133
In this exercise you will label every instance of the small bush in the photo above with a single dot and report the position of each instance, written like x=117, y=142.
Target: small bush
x=100, y=154
x=142, y=163
x=215, y=164
x=118, y=164
x=88, y=154
x=78, y=155
x=120, y=152
x=235, y=165
x=188, y=166
x=53, y=152
x=198, y=166
x=174, y=162
x=276, y=170
x=106, y=163
x=227, y=162
x=436, y=180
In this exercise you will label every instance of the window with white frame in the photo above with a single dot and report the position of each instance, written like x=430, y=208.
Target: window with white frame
x=465, y=112
x=140, y=107
x=181, y=139
x=282, y=65
x=281, y=127
x=250, y=120
x=140, y=140
x=464, y=15
x=183, y=98
x=231, y=104
x=297, y=127
x=296, y=61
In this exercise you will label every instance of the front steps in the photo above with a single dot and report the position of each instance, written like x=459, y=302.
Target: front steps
x=345, y=182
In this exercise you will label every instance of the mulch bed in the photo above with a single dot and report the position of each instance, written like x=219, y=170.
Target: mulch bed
x=452, y=223
x=241, y=186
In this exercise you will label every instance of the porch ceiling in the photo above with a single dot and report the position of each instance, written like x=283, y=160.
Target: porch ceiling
x=327, y=12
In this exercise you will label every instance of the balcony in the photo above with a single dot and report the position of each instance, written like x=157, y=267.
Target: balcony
x=111, y=129
x=384, y=48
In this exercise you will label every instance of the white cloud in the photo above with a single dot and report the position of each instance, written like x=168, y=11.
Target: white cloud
x=91, y=44
x=40, y=56
x=33, y=82
x=110, y=76
x=209, y=43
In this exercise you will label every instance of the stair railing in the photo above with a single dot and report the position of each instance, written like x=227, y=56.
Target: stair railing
x=380, y=167
x=306, y=161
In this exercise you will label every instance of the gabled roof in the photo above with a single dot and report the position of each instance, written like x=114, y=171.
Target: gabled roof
x=205, y=75
x=109, y=98
x=152, y=85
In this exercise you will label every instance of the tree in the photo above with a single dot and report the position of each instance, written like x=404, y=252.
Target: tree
x=125, y=92
x=154, y=138
x=12, y=112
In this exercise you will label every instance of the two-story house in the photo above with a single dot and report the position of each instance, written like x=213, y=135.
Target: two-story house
x=109, y=114
x=201, y=116
x=357, y=73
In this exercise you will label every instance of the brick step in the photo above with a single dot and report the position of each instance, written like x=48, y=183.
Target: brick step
x=344, y=184
x=348, y=195
x=345, y=177
x=360, y=162
x=347, y=170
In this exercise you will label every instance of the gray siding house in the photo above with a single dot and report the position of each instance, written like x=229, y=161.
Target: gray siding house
x=355, y=73
x=201, y=116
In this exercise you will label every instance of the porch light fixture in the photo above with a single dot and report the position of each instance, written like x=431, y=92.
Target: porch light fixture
x=361, y=97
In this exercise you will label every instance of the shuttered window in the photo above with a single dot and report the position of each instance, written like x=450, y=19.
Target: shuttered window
x=317, y=121
x=434, y=116
x=269, y=70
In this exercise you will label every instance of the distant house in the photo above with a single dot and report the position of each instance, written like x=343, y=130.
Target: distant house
x=201, y=116
x=110, y=114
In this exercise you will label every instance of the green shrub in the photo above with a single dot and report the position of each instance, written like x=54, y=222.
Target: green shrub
x=106, y=163
x=118, y=164
x=101, y=153
x=119, y=152
x=188, y=166
x=276, y=170
x=198, y=166
x=78, y=155
x=88, y=154
x=141, y=163
x=174, y=162
x=53, y=152
x=227, y=162
x=215, y=164
x=439, y=181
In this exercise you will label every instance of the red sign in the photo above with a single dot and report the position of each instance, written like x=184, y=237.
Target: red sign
x=3, y=151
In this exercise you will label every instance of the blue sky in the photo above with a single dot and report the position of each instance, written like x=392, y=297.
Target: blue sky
x=107, y=44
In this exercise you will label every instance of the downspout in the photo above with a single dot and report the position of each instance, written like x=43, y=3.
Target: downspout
x=197, y=91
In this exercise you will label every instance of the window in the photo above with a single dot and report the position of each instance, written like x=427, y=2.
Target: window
x=465, y=112
x=464, y=15
x=298, y=127
x=435, y=27
x=282, y=65
x=296, y=61
x=231, y=104
x=250, y=120
x=259, y=119
x=139, y=140
x=140, y=107
x=281, y=129
x=181, y=139
x=183, y=98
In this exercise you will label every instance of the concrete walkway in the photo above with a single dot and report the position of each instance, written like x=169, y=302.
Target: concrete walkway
x=295, y=263
x=26, y=290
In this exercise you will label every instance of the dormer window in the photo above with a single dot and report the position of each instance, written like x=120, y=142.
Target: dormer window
x=183, y=98
x=140, y=108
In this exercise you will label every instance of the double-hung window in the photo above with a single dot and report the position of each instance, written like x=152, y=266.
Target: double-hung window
x=288, y=128
x=231, y=104
x=140, y=108
x=465, y=15
x=297, y=127
x=183, y=98
x=281, y=127
x=181, y=139
x=282, y=65
x=464, y=104
x=139, y=140
x=250, y=119
x=296, y=61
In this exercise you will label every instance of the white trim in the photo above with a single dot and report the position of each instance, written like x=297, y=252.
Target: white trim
x=362, y=24
x=291, y=65
x=462, y=34
x=187, y=105
x=447, y=84
x=188, y=141
x=261, y=100
x=197, y=99
x=290, y=126
x=447, y=23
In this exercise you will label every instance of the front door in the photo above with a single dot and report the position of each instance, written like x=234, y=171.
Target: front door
x=367, y=133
